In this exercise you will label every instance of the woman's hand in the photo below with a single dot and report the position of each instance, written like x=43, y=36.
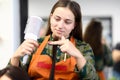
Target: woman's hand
x=27, y=47
x=68, y=47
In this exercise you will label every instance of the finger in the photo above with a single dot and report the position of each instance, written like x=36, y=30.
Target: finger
x=26, y=50
x=56, y=42
x=62, y=38
x=33, y=42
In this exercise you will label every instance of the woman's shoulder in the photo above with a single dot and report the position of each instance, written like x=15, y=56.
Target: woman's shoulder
x=82, y=45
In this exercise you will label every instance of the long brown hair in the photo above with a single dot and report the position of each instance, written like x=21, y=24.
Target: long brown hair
x=75, y=8
x=93, y=36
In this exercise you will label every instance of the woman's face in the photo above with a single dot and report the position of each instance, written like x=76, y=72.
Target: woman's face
x=62, y=22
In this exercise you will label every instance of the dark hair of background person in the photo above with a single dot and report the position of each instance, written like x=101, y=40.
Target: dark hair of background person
x=14, y=73
x=117, y=46
x=93, y=36
x=75, y=8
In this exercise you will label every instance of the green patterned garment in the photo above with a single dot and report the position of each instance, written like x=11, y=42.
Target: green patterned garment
x=105, y=59
x=87, y=73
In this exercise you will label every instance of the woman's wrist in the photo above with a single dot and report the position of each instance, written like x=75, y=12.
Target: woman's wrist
x=15, y=61
x=81, y=61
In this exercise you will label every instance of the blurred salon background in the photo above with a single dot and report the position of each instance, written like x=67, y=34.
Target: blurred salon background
x=14, y=15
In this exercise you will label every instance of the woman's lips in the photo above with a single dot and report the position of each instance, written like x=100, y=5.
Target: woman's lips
x=59, y=32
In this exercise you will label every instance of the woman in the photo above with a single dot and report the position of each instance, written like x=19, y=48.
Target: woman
x=93, y=36
x=13, y=73
x=62, y=54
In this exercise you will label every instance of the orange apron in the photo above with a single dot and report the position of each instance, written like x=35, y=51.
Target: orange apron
x=40, y=66
x=101, y=75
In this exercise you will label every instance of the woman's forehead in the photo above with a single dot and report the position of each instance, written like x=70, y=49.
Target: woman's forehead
x=64, y=12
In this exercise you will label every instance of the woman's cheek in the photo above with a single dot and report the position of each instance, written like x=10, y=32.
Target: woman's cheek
x=53, y=24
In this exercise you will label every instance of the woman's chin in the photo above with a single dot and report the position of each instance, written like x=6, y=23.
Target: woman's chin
x=57, y=37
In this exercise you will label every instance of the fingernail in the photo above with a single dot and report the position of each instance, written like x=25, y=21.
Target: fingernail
x=49, y=42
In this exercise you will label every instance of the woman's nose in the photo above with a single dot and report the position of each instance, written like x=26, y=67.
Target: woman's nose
x=61, y=24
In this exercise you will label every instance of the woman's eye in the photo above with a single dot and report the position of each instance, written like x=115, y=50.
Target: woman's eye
x=57, y=19
x=68, y=22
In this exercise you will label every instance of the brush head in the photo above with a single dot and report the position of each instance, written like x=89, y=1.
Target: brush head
x=33, y=26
